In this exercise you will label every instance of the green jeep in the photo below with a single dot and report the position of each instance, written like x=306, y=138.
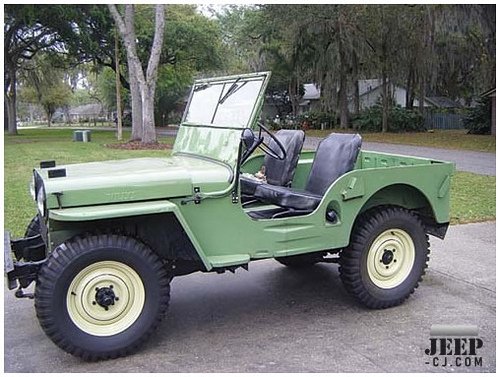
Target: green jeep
x=110, y=236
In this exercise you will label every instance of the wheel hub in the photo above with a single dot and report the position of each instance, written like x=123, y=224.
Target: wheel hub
x=387, y=257
x=105, y=297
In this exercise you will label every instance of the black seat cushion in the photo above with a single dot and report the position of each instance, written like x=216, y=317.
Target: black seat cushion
x=278, y=172
x=335, y=156
x=249, y=185
x=287, y=197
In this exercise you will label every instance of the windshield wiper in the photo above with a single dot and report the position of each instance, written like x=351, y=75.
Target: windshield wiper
x=233, y=89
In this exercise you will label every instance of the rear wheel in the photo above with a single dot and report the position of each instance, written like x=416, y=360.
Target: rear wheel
x=386, y=258
x=101, y=296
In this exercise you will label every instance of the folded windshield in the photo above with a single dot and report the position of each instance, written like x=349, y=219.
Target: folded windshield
x=225, y=103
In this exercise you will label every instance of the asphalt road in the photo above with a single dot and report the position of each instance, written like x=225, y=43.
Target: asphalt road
x=274, y=319
x=475, y=162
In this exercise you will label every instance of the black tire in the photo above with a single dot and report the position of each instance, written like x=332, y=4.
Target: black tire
x=300, y=261
x=125, y=257
x=34, y=227
x=384, y=227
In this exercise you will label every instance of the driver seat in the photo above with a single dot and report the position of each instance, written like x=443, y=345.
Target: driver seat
x=335, y=156
x=278, y=172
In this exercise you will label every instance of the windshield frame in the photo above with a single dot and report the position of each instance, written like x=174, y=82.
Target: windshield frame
x=241, y=80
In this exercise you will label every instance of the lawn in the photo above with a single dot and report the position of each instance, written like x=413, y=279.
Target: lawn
x=472, y=198
x=447, y=139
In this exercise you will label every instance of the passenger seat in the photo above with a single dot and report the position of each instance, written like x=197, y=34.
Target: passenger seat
x=335, y=156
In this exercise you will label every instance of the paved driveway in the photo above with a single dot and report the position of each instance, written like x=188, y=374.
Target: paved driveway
x=475, y=162
x=274, y=319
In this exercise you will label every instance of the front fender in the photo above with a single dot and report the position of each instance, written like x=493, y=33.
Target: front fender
x=127, y=210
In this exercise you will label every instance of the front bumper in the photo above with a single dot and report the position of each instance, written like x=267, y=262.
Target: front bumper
x=30, y=254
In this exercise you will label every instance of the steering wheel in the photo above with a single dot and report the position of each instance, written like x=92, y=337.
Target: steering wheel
x=278, y=153
x=251, y=142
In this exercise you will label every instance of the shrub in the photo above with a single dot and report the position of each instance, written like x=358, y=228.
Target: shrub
x=315, y=119
x=478, y=119
x=399, y=120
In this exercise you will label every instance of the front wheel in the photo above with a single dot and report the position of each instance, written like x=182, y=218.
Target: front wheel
x=101, y=296
x=386, y=258
x=34, y=227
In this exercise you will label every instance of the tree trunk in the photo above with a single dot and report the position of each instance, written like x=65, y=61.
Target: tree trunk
x=118, y=91
x=142, y=86
x=343, y=104
x=292, y=85
x=385, y=100
x=10, y=98
x=136, y=100
x=410, y=82
x=355, y=79
x=149, y=132
x=344, y=109
x=421, y=96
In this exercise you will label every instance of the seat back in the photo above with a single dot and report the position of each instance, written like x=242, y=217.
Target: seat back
x=281, y=172
x=335, y=156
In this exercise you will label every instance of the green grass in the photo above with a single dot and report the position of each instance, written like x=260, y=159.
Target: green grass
x=447, y=139
x=472, y=197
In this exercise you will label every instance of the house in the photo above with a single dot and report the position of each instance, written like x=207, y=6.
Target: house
x=370, y=92
x=91, y=111
x=310, y=101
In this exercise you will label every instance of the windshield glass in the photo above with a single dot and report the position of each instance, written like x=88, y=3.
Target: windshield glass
x=225, y=103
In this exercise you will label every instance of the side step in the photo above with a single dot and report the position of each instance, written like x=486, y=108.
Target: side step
x=229, y=260
x=221, y=264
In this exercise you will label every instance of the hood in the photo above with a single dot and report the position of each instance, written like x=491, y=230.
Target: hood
x=133, y=180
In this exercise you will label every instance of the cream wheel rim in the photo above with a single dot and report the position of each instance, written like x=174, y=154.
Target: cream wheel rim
x=105, y=298
x=390, y=258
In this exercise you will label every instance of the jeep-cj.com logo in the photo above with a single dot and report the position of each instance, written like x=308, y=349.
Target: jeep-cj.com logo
x=454, y=346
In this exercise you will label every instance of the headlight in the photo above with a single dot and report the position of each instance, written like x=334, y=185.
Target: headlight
x=40, y=201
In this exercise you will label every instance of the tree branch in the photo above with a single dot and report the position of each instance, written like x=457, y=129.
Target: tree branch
x=154, y=59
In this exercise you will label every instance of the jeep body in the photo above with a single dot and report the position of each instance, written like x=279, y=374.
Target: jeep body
x=187, y=208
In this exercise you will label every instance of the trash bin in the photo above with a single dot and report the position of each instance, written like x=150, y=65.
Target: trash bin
x=81, y=135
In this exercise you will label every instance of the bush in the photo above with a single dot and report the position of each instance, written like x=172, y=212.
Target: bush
x=399, y=120
x=315, y=119
x=478, y=119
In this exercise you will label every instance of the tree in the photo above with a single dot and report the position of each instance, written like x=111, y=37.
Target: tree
x=45, y=85
x=143, y=89
x=24, y=37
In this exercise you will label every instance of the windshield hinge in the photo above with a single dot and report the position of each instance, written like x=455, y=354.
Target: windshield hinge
x=196, y=198
x=234, y=197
